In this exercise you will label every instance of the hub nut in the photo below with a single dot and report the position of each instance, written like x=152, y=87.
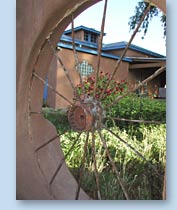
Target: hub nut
x=80, y=117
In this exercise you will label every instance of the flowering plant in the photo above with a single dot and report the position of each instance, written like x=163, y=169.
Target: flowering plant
x=114, y=88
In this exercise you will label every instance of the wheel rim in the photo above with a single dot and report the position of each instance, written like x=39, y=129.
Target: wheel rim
x=81, y=111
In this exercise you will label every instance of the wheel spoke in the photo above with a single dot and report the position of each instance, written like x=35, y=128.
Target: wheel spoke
x=114, y=167
x=46, y=143
x=135, y=121
x=49, y=86
x=64, y=69
x=76, y=55
x=35, y=112
x=82, y=166
x=133, y=149
x=95, y=167
x=63, y=160
x=49, y=141
x=157, y=72
x=100, y=46
x=125, y=51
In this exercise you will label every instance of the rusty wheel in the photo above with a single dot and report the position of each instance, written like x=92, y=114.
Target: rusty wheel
x=87, y=116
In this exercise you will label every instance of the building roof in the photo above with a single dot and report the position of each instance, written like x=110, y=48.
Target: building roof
x=123, y=44
x=83, y=47
x=79, y=42
x=144, y=59
x=92, y=48
x=79, y=28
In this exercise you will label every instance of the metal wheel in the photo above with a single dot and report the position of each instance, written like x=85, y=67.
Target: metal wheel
x=89, y=133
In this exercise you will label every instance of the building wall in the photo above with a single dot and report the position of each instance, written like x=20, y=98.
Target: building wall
x=78, y=35
x=60, y=82
x=152, y=88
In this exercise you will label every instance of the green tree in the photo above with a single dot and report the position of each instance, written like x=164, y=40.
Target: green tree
x=139, y=11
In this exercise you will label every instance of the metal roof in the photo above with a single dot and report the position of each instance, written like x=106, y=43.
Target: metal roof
x=79, y=28
x=123, y=44
x=143, y=59
x=79, y=42
x=91, y=51
x=92, y=48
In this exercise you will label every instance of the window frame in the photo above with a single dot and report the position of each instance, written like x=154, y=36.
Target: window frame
x=90, y=37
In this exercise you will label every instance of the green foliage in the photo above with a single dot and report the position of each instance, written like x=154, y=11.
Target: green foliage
x=113, y=90
x=141, y=180
x=130, y=107
x=58, y=117
x=139, y=11
x=163, y=20
x=135, y=107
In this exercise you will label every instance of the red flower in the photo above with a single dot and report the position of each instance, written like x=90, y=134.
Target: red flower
x=97, y=95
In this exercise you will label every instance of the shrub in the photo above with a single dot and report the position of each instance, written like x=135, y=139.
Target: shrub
x=137, y=108
x=110, y=93
x=130, y=107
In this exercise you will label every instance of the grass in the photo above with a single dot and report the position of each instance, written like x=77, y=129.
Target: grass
x=141, y=180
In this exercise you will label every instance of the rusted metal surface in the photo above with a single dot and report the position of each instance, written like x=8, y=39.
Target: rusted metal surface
x=86, y=116
x=33, y=130
x=161, y=4
x=80, y=118
x=38, y=149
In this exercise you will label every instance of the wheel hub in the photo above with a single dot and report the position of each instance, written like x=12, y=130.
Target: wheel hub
x=86, y=116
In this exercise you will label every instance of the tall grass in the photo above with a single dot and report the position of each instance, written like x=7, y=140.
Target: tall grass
x=141, y=181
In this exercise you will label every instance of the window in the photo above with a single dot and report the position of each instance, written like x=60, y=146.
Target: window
x=85, y=69
x=86, y=36
x=94, y=38
x=90, y=37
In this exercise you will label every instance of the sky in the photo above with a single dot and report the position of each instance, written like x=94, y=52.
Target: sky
x=116, y=25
